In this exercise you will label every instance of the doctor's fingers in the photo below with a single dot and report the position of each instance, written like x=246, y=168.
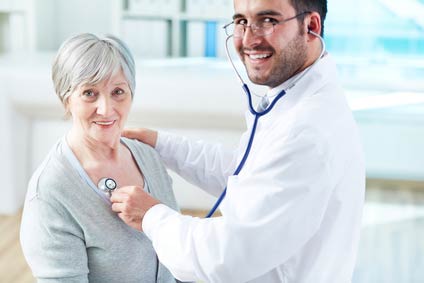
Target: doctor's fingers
x=128, y=193
x=133, y=221
x=130, y=200
x=130, y=214
x=127, y=209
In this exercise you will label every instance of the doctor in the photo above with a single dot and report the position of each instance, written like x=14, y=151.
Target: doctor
x=293, y=213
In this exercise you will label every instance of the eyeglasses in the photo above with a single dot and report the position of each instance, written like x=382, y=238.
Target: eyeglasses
x=260, y=28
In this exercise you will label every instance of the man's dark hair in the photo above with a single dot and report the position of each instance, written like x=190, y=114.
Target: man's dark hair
x=319, y=6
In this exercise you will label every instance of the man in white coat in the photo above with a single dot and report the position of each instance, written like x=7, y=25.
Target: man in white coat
x=293, y=213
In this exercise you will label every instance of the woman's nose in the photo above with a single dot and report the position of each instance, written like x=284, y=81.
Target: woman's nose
x=104, y=105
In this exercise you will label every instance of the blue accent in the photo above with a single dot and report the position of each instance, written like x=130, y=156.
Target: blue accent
x=210, y=38
x=374, y=28
x=239, y=167
x=377, y=46
x=249, y=144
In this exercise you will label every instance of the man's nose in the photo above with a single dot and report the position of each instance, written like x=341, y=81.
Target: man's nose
x=250, y=38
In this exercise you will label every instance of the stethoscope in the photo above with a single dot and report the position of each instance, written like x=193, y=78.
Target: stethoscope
x=259, y=114
x=107, y=185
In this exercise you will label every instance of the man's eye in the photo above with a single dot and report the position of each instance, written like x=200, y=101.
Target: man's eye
x=269, y=20
x=240, y=22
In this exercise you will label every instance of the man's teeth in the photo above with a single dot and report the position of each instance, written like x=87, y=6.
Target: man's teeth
x=259, y=56
x=105, y=123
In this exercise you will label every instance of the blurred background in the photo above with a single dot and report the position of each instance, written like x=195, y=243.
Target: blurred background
x=185, y=85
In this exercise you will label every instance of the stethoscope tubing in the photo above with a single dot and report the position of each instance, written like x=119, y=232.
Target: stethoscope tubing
x=239, y=167
x=257, y=114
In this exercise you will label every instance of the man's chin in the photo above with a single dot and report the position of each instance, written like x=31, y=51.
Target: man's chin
x=258, y=80
x=256, y=75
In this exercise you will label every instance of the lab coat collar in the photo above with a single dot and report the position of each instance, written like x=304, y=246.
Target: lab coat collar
x=324, y=71
x=272, y=92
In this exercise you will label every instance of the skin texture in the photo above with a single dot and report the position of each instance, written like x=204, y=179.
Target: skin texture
x=99, y=112
x=269, y=60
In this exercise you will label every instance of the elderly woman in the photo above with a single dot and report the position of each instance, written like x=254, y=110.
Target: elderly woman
x=69, y=232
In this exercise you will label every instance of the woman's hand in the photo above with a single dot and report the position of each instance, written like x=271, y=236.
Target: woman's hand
x=131, y=203
x=146, y=136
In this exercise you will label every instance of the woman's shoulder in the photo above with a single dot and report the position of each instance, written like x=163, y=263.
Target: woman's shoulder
x=151, y=165
x=140, y=149
x=51, y=176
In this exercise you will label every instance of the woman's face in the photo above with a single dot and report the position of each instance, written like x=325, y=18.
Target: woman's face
x=99, y=112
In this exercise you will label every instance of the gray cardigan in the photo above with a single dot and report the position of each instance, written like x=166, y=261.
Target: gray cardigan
x=69, y=232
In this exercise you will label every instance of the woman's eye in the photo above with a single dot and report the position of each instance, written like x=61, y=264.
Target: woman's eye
x=88, y=93
x=118, y=91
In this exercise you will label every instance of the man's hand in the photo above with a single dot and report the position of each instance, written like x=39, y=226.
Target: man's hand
x=144, y=135
x=131, y=203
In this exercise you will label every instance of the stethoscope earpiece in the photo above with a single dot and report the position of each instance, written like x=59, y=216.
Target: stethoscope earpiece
x=107, y=185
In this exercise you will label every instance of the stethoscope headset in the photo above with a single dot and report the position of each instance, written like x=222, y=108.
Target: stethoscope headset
x=259, y=114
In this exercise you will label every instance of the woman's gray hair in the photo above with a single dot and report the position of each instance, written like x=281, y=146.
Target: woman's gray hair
x=88, y=59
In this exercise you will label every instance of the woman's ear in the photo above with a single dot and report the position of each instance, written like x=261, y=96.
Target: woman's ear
x=68, y=113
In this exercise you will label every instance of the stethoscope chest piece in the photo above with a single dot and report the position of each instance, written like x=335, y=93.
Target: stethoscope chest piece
x=107, y=185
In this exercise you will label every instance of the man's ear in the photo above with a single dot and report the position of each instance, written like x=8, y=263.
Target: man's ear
x=313, y=23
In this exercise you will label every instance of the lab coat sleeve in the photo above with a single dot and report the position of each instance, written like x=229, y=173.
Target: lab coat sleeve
x=270, y=214
x=51, y=245
x=202, y=164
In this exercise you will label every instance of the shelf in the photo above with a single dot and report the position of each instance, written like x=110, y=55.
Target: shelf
x=176, y=17
x=185, y=27
x=14, y=27
x=147, y=15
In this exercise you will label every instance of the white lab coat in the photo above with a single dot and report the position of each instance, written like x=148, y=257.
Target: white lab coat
x=293, y=214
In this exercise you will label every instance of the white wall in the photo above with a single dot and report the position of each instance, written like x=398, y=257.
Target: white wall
x=56, y=20
x=44, y=29
x=393, y=141
x=14, y=150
